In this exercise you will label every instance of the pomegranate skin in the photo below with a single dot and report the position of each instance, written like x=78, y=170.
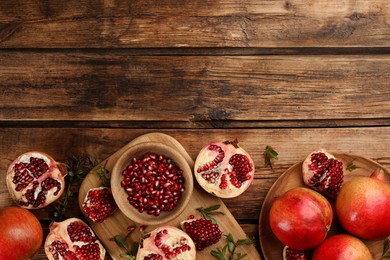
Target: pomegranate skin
x=301, y=218
x=21, y=234
x=340, y=247
x=362, y=207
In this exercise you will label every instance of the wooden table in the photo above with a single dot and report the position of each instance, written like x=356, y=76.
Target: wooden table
x=87, y=77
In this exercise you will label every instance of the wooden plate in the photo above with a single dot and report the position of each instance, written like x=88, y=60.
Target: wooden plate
x=272, y=248
x=117, y=224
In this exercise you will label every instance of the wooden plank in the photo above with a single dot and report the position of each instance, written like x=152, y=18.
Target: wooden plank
x=209, y=23
x=58, y=86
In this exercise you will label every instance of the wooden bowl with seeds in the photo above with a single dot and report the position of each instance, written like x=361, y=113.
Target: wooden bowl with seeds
x=151, y=183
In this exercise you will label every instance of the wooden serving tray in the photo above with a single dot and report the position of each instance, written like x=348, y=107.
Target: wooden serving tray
x=117, y=224
x=291, y=178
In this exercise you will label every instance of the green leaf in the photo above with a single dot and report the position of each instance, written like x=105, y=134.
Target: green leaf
x=246, y=241
x=351, y=166
x=120, y=241
x=208, y=212
x=269, y=155
x=386, y=248
x=134, y=248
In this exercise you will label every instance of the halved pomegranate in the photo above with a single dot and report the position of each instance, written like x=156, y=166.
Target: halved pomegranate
x=35, y=180
x=294, y=254
x=99, y=204
x=73, y=239
x=166, y=242
x=224, y=169
x=323, y=172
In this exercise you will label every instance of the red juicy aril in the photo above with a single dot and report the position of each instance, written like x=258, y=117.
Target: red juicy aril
x=202, y=231
x=301, y=218
x=323, y=172
x=363, y=206
x=73, y=239
x=224, y=169
x=35, y=179
x=20, y=235
x=294, y=254
x=153, y=183
x=164, y=243
x=99, y=204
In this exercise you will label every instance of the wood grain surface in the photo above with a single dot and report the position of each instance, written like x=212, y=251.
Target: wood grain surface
x=86, y=77
x=210, y=23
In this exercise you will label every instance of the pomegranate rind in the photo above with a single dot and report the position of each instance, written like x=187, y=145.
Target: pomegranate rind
x=308, y=174
x=342, y=246
x=223, y=168
x=362, y=208
x=90, y=209
x=172, y=239
x=21, y=234
x=58, y=232
x=56, y=170
x=301, y=218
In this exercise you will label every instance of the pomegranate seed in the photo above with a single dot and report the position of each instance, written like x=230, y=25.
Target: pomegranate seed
x=147, y=184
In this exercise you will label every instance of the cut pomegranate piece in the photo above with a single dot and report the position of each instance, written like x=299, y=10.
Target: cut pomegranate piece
x=99, y=204
x=224, y=169
x=73, y=239
x=153, y=183
x=294, y=254
x=35, y=180
x=324, y=173
x=202, y=231
x=166, y=243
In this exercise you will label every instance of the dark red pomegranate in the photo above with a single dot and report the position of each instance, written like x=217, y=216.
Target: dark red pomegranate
x=362, y=206
x=224, y=169
x=73, y=239
x=164, y=243
x=301, y=218
x=323, y=172
x=99, y=204
x=202, y=231
x=20, y=235
x=294, y=254
x=341, y=247
x=153, y=183
x=35, y=180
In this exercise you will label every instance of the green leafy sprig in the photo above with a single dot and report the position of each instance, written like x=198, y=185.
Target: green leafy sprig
x=78, y=167
x=269, y=155
x=208, y=212
x=131, y=253
x=231, y=245
x=386, y=249
x=351, y=166
x=102, y=172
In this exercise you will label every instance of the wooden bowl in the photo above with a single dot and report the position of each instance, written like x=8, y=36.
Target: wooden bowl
x=121, y=196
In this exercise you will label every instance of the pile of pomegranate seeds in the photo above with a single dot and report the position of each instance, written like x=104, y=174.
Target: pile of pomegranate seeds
x=153, y=183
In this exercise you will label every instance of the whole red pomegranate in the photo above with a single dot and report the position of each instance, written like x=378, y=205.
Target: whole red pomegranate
x=35, y=180
x=73, y=239
x=301, y=218
x=362, y=206
x=323, y=172
x=164, y=243
x=224, y=169
x=341, y=247
x=20, y=235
